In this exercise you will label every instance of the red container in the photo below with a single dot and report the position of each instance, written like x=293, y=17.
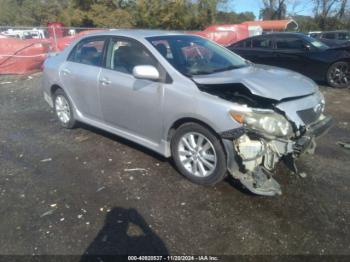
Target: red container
x=22, y=56
x=224, y=34
x=55, y=29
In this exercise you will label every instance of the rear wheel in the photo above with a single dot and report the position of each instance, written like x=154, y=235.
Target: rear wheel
x=338, y=75
x=63, y=109
x=198, y=154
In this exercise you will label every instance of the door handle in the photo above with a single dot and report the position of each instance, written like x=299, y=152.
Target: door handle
x=66, y=71
x=105, y=81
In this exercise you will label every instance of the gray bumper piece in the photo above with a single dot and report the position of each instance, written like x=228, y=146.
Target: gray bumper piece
x=321, y=127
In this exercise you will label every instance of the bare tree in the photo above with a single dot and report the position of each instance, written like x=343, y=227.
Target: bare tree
x=328, y=8
x=329, y=13
x=298, y=6
x=273, y=9
x=343, y=8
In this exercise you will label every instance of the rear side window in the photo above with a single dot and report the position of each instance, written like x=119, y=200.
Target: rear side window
x=261, y=43
x=88, y=52
x=314, y=35
x=290, y=43
x=240, y=44
x=329, y=36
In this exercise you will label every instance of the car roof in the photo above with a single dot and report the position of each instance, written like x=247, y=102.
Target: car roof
x=336, y=31
x=136, y=33
x=286, y=34
x=283, y=34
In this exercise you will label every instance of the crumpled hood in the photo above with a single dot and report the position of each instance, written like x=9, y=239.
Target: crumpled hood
x=264, y=81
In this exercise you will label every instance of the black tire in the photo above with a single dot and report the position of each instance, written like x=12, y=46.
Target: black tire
x=220, y=170
x=72, y=121
x=338, y=75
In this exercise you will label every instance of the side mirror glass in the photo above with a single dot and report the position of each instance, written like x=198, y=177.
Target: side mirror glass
x=146, y=72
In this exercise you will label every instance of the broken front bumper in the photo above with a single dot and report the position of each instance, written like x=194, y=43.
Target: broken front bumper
x=252, y=157
x=306, y=143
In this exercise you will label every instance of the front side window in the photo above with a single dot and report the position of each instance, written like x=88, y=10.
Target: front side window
x=124, y=54
x=88, y=52
x=290, y=43
x=192, y=55
x=344, y=36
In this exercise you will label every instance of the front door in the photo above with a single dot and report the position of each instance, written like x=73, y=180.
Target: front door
x=127, y=103
x=291, y=53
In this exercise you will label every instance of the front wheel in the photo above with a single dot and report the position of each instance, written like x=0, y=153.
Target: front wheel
x=338, y=75
x=198, y=154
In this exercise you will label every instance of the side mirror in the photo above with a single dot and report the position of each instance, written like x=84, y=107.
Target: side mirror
x=146, y=72
x=307, y=47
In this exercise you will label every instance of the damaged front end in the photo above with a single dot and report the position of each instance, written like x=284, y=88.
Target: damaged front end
x=253, y=156
x=279, y=131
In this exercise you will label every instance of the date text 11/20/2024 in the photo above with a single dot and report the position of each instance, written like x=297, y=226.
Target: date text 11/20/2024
x=173, y=258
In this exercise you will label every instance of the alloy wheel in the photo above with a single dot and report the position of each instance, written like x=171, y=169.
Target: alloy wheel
x=62, y=109
x=340, y=75
x=197, y=154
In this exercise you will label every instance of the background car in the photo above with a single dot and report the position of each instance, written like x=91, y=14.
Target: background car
x=332, y=38
x=314, y=34
x=300, y=53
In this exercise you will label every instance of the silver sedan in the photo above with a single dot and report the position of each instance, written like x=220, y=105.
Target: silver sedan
x=188, y=98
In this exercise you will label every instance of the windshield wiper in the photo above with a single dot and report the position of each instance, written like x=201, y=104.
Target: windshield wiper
x=202, y=73
x=231, y=67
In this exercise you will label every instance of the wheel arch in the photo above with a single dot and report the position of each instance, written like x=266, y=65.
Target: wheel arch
x=342, y=59
x=185, y=120
x=54, y=88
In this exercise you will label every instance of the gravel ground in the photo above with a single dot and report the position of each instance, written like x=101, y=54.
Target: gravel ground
x=86, y=191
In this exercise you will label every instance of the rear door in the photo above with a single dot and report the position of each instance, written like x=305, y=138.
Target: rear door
x=80, y=75
x=261, y=50
x=257, y=49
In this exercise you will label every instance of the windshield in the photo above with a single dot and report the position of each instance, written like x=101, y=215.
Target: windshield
x=316, y=43
x=192, y=55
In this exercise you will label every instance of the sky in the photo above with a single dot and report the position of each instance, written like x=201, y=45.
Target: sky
x=303, y=8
